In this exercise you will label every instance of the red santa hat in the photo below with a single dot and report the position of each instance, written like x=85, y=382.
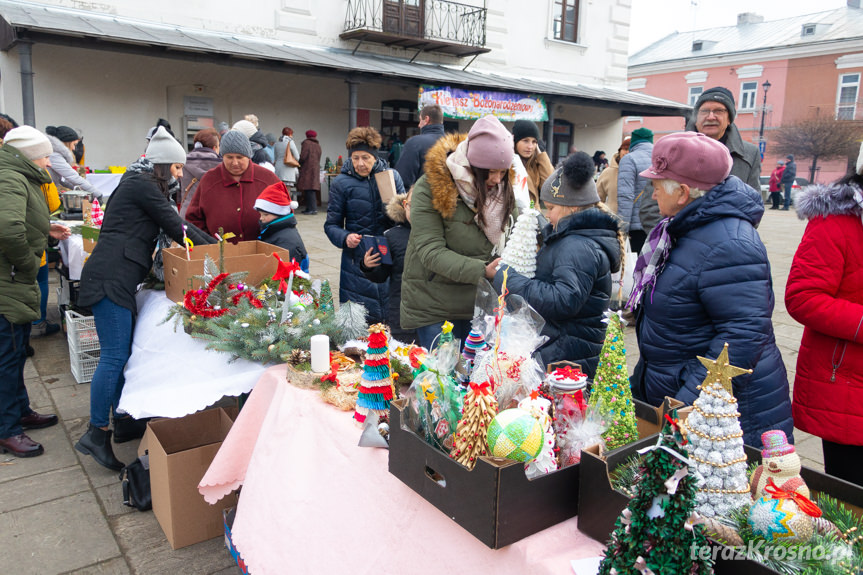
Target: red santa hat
x=275, y=200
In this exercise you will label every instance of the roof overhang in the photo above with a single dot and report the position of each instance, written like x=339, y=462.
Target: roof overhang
x=41, y=24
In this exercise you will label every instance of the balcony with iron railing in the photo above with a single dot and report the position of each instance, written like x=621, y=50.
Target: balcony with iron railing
x=423, y=25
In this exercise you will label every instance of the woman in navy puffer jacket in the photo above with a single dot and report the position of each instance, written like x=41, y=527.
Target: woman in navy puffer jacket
x=355, y=209
x=713, y=287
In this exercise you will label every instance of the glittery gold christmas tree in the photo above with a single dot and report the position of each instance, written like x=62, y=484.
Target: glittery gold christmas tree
x=471, y=434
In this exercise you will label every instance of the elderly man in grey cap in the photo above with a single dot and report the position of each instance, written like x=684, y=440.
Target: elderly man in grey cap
x=713, y=116
x=226, y=196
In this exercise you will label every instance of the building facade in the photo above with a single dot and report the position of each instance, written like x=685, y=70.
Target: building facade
x=812, y=66
x=111, y=69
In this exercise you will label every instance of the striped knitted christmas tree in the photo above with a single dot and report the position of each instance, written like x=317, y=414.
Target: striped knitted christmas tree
x=376, y=385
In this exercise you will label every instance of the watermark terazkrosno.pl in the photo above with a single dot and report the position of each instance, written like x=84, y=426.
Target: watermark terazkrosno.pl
x=755, y=549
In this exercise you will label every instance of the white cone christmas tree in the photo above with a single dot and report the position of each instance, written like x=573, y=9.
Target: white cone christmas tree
x=716, y=441
x=520, y=251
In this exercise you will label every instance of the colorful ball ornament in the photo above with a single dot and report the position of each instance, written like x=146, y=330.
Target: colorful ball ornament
x=780, y=520
x=515, y=434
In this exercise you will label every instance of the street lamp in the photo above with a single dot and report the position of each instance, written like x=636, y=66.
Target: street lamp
x=766, y=86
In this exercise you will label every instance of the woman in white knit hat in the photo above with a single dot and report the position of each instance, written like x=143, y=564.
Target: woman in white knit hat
x=140, y=207
x=24, y=227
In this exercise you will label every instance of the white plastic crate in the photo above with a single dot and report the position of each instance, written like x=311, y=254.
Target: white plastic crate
x=83, y=345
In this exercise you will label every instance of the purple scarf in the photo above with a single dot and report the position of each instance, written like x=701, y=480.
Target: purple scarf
x=650, y=262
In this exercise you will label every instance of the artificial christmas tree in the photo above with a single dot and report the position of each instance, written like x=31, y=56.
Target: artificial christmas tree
x=376, y=386
x=657, y=532
x=520, y=250
x=326, y=297
x=716, y=441
x=471, y=434
x=611, y=387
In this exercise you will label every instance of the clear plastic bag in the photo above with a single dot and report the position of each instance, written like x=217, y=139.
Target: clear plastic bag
x=577, y=429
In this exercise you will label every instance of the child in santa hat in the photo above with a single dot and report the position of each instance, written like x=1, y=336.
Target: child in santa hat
x=278, y=224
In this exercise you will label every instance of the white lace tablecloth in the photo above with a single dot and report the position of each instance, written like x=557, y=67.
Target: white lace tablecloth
x=171, y=374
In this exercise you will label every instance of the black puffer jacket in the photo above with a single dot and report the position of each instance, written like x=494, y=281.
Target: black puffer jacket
x=283, y=233
x=572, y=286
x=355, y=207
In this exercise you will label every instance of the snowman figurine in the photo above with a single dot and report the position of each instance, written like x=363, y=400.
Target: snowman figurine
x=779, y=462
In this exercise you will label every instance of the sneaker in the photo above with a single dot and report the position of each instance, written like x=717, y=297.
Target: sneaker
x=44, y=328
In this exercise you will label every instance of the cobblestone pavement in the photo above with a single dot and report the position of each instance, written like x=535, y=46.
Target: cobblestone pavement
x=62, y=512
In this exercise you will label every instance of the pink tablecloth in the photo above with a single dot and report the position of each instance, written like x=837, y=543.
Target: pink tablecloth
x=315, y=502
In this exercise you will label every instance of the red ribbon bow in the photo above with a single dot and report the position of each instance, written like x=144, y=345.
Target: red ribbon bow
x=480, y=388
x=804, y=503
x=334, y=370
x=284, y=270
x=568, y=373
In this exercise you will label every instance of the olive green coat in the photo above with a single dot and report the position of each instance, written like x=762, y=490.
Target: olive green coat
x=447, y=251
x=24, y=226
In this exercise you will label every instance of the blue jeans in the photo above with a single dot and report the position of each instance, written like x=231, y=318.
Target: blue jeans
x=788, y=194
x=14, y=401
x=42, y=279
x=427, y=333
x=114, y=325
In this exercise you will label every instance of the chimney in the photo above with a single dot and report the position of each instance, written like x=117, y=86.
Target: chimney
x=853, y=3
x=753, y=18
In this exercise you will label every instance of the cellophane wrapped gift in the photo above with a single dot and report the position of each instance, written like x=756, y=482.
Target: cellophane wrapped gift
x=435, y=397
x=513, y=329
x=578, y=426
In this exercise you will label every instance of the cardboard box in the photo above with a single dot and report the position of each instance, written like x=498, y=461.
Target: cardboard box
x=600, y=505
x=253, y=257
x=228, y=522
x=181, y=451
x=495, y=501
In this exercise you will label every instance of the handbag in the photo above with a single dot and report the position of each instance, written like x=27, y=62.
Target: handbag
x=135, y=479
x=290, y=160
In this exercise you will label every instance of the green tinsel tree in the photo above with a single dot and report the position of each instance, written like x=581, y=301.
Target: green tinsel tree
x=656, y=531
x=326, y=297
x=611, y=387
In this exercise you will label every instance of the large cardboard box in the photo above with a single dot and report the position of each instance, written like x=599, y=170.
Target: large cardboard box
x=253, y=257
x=600, y=505
x=495, y=501
x=181, y=451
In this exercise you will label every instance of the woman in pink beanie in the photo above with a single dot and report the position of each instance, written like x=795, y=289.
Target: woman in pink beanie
x=461, y=211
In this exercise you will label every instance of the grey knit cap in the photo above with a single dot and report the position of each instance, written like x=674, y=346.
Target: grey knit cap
x=165, y=149
x=572, y=183
x=235, y=142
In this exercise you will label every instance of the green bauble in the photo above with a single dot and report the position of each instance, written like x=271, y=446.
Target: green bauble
x=515, y=434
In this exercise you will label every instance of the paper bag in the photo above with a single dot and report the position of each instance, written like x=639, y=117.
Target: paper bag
x=386, y=185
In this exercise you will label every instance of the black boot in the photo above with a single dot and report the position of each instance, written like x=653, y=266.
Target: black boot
x=97, y=442
x=127, y=428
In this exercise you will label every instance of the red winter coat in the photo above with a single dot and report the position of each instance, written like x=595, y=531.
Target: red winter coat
x=222, y=202
x=775, y=178
x=825, y=294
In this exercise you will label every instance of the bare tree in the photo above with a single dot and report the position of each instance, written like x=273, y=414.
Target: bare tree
x=819, y=138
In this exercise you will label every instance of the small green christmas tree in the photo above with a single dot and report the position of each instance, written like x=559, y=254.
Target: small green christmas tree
x=326, y=297
x=611, y=387
x=657, y=530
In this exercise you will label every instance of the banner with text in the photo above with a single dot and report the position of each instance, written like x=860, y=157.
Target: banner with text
x=473, y=104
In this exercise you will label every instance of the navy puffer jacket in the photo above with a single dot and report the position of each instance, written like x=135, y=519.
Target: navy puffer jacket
x=355, y=207
x=572, y=285
x=715, y=288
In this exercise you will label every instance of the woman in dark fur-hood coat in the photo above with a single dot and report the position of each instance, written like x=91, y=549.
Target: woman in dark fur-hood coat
x=825, y=293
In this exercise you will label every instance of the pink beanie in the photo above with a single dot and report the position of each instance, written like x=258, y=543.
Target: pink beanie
x=489, y=145
x=689, y=158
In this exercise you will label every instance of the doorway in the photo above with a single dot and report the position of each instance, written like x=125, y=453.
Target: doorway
x=404, y=17
x=562, y=140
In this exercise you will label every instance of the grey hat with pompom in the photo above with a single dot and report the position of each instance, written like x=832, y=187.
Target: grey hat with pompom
x=572, y=183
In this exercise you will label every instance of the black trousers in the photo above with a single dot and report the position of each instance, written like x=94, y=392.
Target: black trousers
x=843, y=461
x=776, y=198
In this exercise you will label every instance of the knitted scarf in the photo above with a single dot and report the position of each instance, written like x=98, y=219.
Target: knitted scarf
x=650, y=263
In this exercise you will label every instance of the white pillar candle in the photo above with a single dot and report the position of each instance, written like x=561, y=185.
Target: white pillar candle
x=320, y=353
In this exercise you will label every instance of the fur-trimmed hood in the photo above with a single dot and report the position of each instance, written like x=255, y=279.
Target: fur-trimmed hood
x=395, y=209
x=444, y=191
x=60, y=148
x=828, y=200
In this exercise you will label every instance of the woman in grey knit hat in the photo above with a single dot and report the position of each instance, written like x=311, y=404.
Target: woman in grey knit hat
x=582, y=247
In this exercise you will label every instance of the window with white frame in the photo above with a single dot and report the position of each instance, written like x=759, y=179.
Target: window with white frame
x=846, y=96
x=566, y=20
x=748, y=92
x=694, y=93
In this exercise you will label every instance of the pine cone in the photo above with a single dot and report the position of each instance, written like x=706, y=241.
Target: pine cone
x=299, y=356
x=825, y=526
